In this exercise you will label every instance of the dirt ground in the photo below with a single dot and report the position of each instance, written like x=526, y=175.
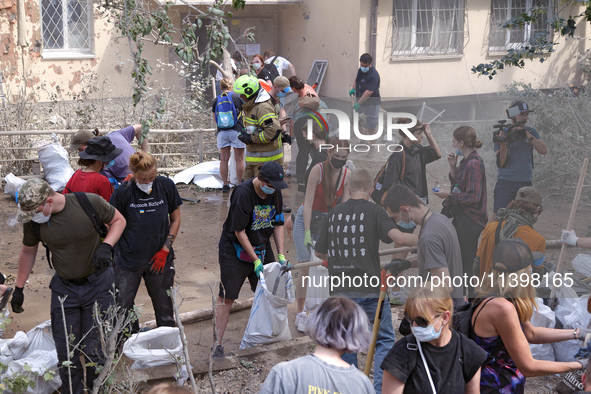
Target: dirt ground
x=197, y=266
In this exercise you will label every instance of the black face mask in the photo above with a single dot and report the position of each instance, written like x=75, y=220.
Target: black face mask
x=337, y=163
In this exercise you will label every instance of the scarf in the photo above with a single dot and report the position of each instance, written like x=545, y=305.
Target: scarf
x=513, y=219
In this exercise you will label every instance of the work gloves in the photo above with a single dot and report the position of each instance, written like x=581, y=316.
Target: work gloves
x=584, y=362
x=245, y=138
x=569, y=237
x=583, y=333
x=396, y=266
x=258, y=267
x=158, y=261
x=102, y=257
x=286, y=138
x=352, y=92
x=356, y=107
x=282, y=260
x=17, y=300
x=308, y=240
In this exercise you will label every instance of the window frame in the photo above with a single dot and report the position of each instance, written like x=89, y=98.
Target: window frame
x=424, y=51
x=527, y=29
x=67, y=53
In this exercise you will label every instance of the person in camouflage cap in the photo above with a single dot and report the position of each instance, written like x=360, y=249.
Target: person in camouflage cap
x=83, y=271
x=31, y=195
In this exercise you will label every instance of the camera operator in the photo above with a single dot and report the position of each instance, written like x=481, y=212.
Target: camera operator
x=514, y=147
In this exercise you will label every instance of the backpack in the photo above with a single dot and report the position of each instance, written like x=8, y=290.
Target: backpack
x=272, y=69
x=379, y=189
x=226, y=115
x=90, y=211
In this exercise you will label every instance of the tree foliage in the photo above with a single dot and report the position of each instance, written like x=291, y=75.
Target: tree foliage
x=538, y=46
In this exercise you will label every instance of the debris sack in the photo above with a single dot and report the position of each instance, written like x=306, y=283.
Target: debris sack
x=316, y=291
x=268, y=316
x=13, y=185
x=543, y=317
x=56, y=165
x=570, y=314
x=160, y=346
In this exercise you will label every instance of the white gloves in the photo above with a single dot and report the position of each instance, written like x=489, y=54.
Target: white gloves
x=569, y=237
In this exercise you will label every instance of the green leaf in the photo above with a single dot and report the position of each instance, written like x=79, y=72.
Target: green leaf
x=47, y=376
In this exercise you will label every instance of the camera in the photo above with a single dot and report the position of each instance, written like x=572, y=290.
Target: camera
x=512, y=133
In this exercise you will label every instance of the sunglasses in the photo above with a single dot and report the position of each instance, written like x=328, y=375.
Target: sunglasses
x=421, y=321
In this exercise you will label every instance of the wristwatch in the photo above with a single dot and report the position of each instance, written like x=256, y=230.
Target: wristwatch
x=532, y=138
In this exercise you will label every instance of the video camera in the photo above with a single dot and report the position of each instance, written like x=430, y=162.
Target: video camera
x=512, y=133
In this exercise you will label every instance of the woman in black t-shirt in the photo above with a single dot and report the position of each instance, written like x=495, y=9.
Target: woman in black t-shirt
x=151, y=206
x=434, y=358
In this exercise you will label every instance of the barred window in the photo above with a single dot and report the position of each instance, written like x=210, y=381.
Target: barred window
x=66, y=28
x=428, y=27
x=501, y=39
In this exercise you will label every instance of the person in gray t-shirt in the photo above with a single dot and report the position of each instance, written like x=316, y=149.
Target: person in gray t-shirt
x=438, y=249
x=337, y=326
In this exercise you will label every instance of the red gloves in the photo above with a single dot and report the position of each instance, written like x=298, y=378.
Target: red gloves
x=158, y=261
x=325, y=263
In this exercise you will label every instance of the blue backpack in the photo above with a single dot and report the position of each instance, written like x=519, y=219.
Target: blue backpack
x=225, y=111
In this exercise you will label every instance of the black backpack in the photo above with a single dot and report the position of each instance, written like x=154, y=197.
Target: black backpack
x=272, y=69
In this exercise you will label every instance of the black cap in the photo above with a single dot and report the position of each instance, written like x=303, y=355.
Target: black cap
x=512, y=255
x=273, y=172
x=101, y=149
x=522, y=105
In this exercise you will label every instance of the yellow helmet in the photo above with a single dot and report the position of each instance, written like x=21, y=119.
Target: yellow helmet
x=247, y=85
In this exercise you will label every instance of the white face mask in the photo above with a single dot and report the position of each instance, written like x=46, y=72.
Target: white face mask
x=40, y=217
x=145, y=187
x=427, y=334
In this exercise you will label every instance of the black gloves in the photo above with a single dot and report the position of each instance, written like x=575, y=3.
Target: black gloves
x=17, y=300
x=396, y=266
x=245, y=138
x=102, y=257
x=286, y=138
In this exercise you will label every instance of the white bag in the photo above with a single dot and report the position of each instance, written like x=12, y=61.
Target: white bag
x=160, y=346
x=39, y=357
x=56, y=165
x=268, y=315
x=232, y=176
x=13, y=184
x=316, y=292
x=572, y=312
x=582, y=264
x=543, y=317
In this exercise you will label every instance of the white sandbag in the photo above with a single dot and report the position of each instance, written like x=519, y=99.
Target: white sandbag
x=232, y=176
x=13, y=185
x=205, y=175
x=56, y=165
x=573, y=314
x=14, y=348
x=582, y=264
x=268, y=315
x=543, y=317
x=160, y=346
x=316, y=292
x=39, y=358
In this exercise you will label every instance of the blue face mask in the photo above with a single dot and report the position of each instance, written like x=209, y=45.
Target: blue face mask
x=426, y=334
x=364, y=69
x=281, y=94
x=459, y=152
x=267, y=189
x=110, y=164
x=408, y=226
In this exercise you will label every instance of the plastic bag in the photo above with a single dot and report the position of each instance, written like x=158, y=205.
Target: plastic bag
x=13, y=185
x=56, y=165
x=39, y=357
x=543, y=317
x=582, y=264
x=268, y=316
x=316, y=292
x=570, y=314
x=160, y=346
x=14, y=348
x=232, y=176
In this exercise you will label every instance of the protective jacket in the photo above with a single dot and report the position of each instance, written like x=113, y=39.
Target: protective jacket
x=261, y=122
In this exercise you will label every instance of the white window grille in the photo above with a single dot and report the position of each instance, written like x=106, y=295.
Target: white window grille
x=428, y=27
x=67, y=28
x=501, y=10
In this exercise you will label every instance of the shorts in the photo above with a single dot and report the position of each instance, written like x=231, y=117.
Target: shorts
x=233, y=272
x=229, y=138
x=371, y=113
x=299, y=233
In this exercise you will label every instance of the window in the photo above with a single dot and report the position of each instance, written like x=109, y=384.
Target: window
x=501, y=39
x=428, y=27
x=67, y=28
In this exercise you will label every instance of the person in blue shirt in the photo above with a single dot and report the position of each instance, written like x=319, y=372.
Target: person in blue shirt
x=515, y=159
x=366, y=89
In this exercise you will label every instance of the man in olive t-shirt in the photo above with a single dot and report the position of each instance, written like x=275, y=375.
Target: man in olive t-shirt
x=83, y=270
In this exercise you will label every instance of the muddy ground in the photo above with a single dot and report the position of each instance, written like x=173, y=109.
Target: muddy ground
x=197, y=266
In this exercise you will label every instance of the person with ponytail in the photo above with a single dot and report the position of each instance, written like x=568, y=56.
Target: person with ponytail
x=151, y=206
x=467, y=199
x=325, y=189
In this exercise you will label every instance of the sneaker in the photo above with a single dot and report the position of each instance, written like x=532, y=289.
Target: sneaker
x=219, y=351
x=286, y=209
x=226, y=188
x=300, y=320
